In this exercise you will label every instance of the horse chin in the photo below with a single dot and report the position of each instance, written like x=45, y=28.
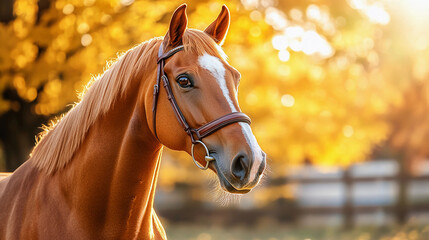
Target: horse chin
x=229, y=188
x=224, y=183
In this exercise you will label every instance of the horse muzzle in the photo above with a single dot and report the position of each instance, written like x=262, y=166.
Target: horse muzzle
x=243, y=174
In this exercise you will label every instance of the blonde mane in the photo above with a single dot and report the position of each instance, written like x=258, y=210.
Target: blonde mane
x=59, y=142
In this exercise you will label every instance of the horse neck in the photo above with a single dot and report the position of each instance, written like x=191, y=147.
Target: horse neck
x=113, y=175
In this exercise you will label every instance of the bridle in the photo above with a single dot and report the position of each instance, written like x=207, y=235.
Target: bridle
x=196, y=134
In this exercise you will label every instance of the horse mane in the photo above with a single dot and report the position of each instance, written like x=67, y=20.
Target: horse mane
x=58, y=142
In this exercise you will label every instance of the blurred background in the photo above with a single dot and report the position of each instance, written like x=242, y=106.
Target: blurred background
x=338, y=92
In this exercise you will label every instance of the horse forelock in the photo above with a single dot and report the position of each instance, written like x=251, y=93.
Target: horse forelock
x=60, y=140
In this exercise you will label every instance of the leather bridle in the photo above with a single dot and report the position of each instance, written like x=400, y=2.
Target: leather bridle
x=196, y=134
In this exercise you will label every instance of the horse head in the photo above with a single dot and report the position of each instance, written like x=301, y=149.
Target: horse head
x=200, y=95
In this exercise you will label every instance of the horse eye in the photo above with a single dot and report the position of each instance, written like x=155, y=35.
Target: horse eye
x=184, y=82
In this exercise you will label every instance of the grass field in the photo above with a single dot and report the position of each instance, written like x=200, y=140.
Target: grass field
x=193, y=232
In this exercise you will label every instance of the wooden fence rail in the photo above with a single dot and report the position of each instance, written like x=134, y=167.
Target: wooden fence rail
x=401, y=207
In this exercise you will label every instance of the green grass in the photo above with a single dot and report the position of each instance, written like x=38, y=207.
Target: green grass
x=286, y=232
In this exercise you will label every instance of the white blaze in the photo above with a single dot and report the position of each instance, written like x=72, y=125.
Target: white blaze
x=254, y=146
x=216, y=68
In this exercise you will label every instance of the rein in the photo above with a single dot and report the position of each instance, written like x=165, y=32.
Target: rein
x=196, y=134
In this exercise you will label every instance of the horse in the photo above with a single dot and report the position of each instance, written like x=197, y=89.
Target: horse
x=93, y=174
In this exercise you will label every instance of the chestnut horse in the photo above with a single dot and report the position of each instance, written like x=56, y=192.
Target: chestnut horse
x=93, y=174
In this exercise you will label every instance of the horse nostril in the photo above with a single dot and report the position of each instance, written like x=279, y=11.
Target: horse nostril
x=240, y=165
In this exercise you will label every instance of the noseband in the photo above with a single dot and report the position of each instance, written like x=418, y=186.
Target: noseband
x=196, y=134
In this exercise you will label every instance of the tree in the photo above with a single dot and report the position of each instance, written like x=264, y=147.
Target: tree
x=44, y=57
x=319, y=79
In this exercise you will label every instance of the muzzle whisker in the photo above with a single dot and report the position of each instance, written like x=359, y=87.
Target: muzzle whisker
x=263, y=181
x=219, y=195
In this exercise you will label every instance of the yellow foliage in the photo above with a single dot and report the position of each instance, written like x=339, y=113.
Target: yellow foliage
x=317, y=83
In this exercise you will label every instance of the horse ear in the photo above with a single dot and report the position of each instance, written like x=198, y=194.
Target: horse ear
x=218, y=29
x=178, y=24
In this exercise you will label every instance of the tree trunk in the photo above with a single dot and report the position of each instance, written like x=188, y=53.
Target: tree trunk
x=18, y=130
x=16, y=150
x=6, y=11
